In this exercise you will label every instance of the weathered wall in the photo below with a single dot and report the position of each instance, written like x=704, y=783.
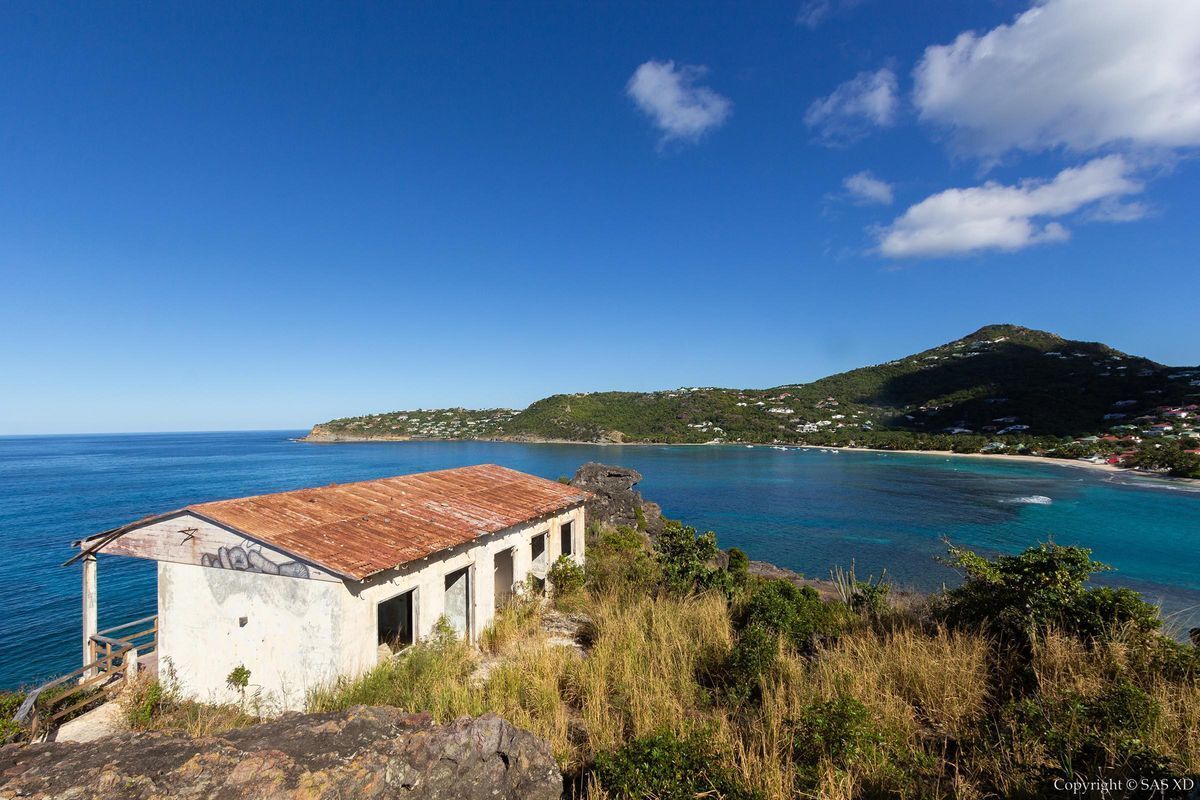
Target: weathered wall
x=300, y=633
x=295, y=633
x=428, y=575
x=187, y=539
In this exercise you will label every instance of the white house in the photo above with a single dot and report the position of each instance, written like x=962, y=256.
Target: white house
x=305, y=586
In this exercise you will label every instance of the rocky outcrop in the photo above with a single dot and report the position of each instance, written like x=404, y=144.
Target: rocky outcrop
x=362, y=753
x=322, y=434
x=614, y=501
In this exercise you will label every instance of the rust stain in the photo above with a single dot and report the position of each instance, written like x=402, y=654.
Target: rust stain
x=359, y=529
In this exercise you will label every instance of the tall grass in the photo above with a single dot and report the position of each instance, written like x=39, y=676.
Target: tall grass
x=431, y=676
x=149, y=704
x=933, y=712
x=1066, y=668
x=640, y=675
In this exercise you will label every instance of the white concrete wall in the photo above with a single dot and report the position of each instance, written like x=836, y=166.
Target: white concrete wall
x=302, y=633
x=428, y=575
x=294, y=636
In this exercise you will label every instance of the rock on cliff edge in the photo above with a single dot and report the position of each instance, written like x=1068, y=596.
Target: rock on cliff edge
x=362, y=753
x=614, y=500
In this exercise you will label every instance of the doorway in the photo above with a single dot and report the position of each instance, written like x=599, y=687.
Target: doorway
x=458, y=597
x=503, y=572
x=537, y=552
x=395, y=621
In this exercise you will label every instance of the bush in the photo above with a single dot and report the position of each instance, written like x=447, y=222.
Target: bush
x=739, y=566
x=1101, y=609
x=838, y=731
x=1044, y=587
x=432, y=675
x=685, y=558
x=751, y=658
x=796, y=612
x=665, y=766
x=566, y=578
x=1101, y=734
x=10, y=730
x=619, y=560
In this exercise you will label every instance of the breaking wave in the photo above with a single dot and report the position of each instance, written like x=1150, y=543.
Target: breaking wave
x=1033, y=499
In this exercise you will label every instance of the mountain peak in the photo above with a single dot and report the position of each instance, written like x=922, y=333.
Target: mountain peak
x=1010, y=331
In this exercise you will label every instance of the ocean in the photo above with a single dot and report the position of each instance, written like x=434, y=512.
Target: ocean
x=803, y=509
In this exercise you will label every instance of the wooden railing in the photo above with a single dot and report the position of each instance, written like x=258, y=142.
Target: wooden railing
x=115, y=656
x=129, y=642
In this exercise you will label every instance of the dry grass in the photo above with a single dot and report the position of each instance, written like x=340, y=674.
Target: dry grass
x=527, y=689
x=929, y=694
x=432, y=676
x=918, y=689
x=640, y=674
x=1064, y=666
x=518, y=620
x=149, y=705
x=913, y=683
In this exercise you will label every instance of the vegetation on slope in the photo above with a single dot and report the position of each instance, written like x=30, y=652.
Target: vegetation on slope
x=701, y=680
x=1002, y=388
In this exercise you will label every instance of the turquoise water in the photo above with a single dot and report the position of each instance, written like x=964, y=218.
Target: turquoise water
x=806, y=510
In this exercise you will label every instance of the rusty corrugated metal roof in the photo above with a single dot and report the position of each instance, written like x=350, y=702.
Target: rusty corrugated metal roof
x=359, y=529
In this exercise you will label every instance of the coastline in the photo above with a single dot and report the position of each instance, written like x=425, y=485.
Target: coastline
x=1061, y=462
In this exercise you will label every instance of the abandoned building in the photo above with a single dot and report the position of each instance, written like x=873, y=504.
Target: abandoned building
x=302, y=587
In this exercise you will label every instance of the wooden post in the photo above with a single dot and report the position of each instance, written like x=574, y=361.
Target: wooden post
x=89, y=612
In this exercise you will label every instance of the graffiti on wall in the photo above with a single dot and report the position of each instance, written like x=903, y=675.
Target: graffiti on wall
x=245, y=560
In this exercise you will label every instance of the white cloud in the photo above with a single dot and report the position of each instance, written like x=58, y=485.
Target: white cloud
x=1078, y=74
x=1114, y=210
x=998, y=217
x=865, y=188
x=677, y=106
x=815, y=12
x=868, y=100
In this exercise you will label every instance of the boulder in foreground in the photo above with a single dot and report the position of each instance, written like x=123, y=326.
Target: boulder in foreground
x=365, y=752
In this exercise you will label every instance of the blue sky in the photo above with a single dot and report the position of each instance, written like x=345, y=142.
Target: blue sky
x=218, y=217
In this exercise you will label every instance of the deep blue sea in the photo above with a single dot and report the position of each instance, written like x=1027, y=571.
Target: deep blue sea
x=802, y=509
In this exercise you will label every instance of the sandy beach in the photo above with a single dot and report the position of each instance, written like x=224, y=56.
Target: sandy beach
x=1058, y=462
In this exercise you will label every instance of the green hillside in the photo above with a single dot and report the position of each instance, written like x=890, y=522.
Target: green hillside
x=1001, y=385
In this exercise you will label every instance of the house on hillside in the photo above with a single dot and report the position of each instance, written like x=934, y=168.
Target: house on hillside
x=305, y=586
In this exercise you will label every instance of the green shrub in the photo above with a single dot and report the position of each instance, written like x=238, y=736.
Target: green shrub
x=838, y=731
x=1102, y=734
x=619, y=560
x=10, y=702
x=796, y=612
x=753, y=655
x=144, y=702
x=566, y=577
x=1041, y=588
x=1102, y=609
x=665, y=766
x=238, y=678
x=685, y=557
x=739, y=566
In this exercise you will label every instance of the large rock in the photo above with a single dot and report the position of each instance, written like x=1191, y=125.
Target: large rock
x=614, y=500
x=361, y=753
